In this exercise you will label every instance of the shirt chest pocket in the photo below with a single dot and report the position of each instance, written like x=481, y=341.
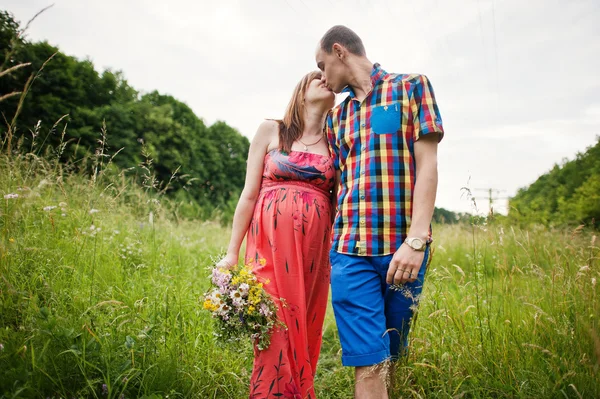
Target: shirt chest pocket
x=385, y=119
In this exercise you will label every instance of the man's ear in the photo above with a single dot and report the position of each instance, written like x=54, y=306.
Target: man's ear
x=339, y=51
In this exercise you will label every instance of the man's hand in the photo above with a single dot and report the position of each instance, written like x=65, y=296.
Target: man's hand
x=405, y=265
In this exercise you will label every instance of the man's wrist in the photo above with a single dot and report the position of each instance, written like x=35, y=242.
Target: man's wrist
x=417, y=243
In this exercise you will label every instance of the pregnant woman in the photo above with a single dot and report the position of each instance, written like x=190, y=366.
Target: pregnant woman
x=285, y=212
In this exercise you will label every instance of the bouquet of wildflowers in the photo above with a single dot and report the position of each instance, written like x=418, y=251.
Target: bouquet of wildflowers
x=241, y=305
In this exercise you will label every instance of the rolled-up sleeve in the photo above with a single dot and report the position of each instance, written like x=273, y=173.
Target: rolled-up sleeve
x=426, y=115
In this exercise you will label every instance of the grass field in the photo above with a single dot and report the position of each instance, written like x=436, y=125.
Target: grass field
x=100, y=285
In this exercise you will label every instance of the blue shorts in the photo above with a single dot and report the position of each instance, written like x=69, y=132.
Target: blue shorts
x=373, y=320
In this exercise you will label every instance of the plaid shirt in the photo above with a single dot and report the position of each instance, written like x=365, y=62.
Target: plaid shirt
x=373, y=147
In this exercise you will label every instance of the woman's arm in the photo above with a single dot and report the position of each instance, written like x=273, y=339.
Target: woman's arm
x=267, y=132
x=334, y=195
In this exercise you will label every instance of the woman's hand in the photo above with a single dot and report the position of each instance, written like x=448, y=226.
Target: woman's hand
x=228, y=261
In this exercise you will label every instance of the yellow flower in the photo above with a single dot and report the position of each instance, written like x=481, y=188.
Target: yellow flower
x=251, y=309
x=208, y=305
x=11, y=239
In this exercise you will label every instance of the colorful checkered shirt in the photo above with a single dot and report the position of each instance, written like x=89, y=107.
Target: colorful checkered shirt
x=373, y=146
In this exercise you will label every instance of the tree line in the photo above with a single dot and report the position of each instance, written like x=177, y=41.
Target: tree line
x=205, y=164
x=569, y=194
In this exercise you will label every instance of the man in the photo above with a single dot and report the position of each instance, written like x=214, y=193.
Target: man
x=384, y=138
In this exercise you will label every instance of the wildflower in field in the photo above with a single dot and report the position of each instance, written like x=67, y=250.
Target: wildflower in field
x=92, y=231
x=49, y=208
x=104, y=389
x=11, y=196
x=11, y=240
x=92, y=211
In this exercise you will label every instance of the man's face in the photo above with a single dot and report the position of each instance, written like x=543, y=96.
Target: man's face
x=333, y=70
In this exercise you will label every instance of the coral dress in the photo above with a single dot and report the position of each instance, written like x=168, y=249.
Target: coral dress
x=288, y=244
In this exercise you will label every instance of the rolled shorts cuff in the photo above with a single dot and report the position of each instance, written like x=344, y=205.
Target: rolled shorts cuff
x=369, y=359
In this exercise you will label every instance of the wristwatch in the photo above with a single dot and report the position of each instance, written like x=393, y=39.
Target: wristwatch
x=416, y=243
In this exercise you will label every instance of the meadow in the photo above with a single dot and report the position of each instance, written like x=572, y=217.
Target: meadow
x=101, y=282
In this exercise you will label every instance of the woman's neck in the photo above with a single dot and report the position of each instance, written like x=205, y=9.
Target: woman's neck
x=314, y=121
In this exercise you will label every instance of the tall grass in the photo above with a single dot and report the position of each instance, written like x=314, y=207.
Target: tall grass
x=99, y=297
x=99, y=291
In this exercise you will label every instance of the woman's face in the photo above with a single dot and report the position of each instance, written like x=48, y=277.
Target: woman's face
x=317, y=92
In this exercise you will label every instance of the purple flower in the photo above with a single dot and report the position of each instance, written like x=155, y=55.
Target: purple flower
x=104, y=389
x=264, y=310
x=221, y=279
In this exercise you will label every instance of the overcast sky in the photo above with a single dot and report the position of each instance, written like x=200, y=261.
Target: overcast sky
x=516, y=81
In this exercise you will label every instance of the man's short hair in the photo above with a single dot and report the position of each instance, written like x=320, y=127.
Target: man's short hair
x=344, y=36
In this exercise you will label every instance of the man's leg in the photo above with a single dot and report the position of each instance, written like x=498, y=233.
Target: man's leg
x=400, y=307
x=372, y=381
x=358, y=304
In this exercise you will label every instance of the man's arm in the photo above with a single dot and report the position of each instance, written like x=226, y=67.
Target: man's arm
x=425, y=186
x=406, y=262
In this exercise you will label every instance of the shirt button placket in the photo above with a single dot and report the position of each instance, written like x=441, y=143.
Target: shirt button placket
x=361, y=245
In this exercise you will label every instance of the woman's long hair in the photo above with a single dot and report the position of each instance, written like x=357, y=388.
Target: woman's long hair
x=292, y=124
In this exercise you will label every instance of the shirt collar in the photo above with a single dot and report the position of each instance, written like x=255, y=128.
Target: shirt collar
x=377, y=73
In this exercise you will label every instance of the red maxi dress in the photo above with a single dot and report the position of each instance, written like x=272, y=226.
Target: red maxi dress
x=288, y=244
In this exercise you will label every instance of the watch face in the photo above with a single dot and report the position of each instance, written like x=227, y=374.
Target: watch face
x=416, y=243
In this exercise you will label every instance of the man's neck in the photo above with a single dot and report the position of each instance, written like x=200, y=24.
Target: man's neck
x=360, y=79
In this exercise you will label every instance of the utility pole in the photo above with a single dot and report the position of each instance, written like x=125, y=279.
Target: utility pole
x=492, y=195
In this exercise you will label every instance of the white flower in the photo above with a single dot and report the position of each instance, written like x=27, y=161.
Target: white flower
x=11, y=196
x=92, y=211
x=215, y=297
x=244, y=288
x=49, y=208
x=237, y=299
